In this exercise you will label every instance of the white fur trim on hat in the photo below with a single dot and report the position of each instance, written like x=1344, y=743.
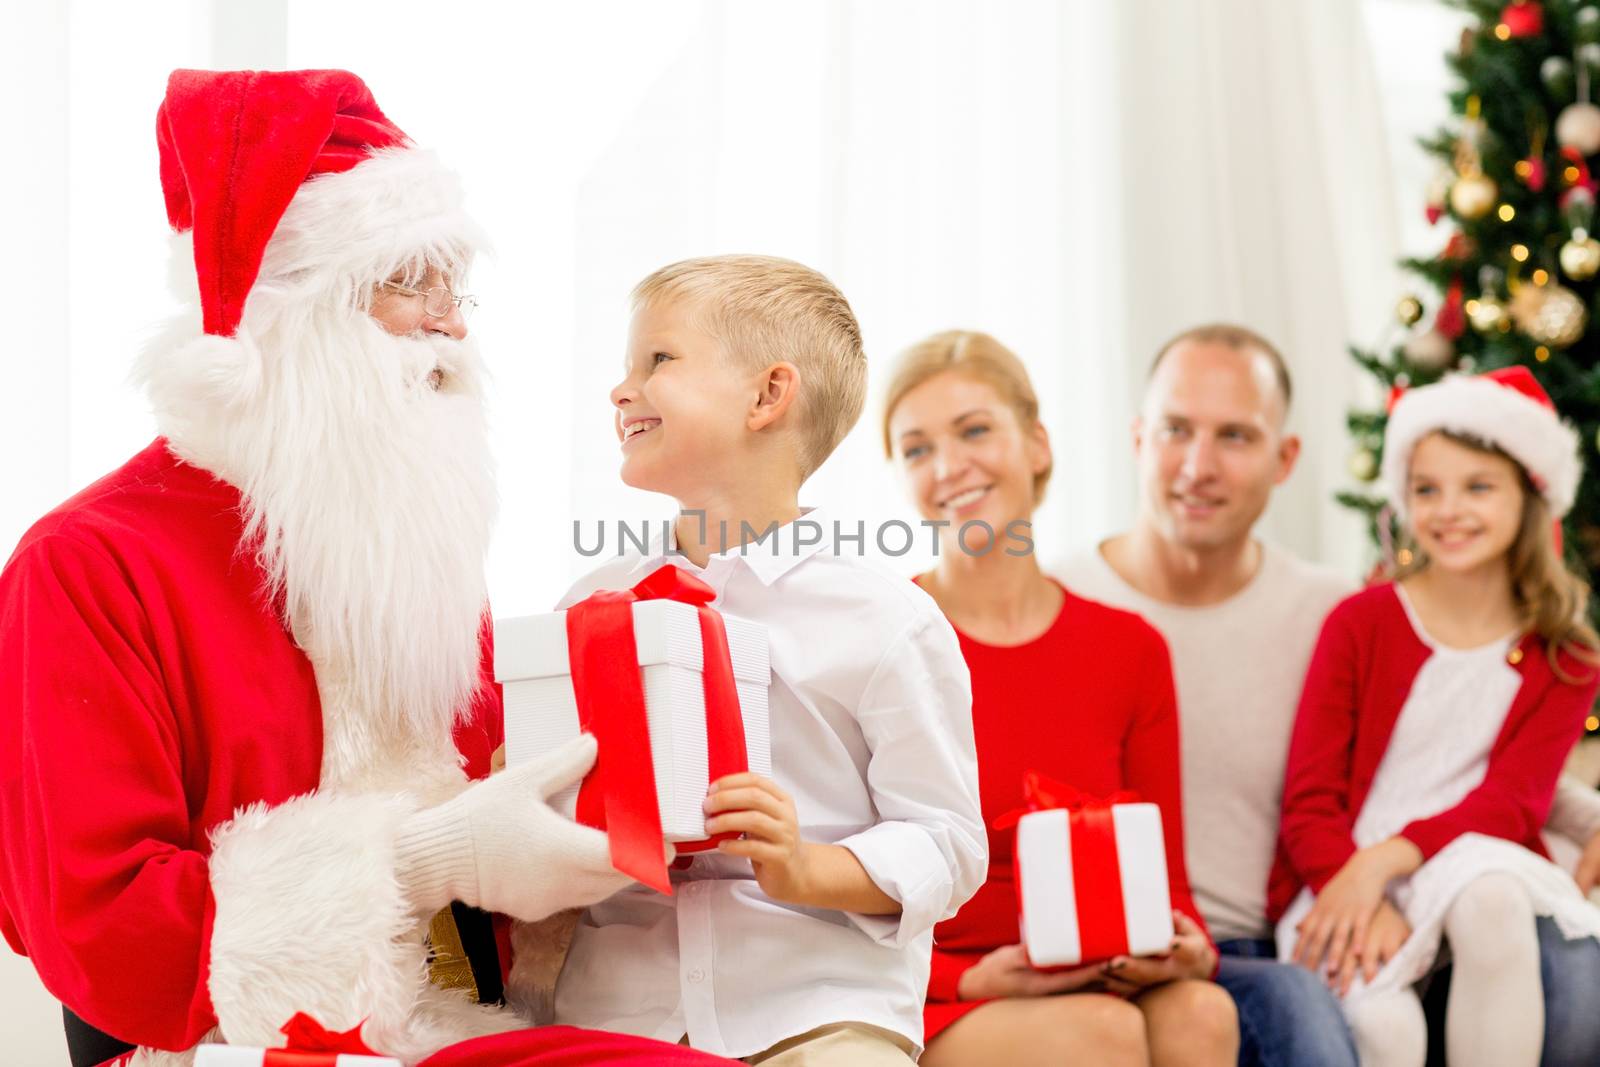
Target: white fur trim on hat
x=1529, y=432
x=361, y=224
x=347, y=230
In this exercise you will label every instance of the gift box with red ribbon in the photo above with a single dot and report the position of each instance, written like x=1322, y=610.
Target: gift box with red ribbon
x=674, y=692
x=1091, y=876
x=309, y=1045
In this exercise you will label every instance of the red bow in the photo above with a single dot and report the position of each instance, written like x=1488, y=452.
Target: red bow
x=1040, y=792
x=619, y=795
x=305, y=1034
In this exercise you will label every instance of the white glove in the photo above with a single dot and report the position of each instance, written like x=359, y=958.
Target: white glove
x=499, y=846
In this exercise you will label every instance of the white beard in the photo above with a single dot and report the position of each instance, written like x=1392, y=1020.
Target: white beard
x=368, y=501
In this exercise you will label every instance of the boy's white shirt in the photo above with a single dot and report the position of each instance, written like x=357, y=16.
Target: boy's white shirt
x=872, y=736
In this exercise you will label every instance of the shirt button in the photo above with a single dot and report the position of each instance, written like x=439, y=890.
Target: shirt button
x=697, y=975
x=1514, y=657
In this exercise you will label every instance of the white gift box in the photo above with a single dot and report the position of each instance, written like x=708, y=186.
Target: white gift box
x=1047, y=887
x=530, y=662
x=243, y=1056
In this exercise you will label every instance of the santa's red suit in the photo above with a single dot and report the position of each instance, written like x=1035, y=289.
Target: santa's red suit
x=242, y=689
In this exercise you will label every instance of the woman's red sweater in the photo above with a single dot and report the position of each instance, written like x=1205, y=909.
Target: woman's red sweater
x=1090, y=703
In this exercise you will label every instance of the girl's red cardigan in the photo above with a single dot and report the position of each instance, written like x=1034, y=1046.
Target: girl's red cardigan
x=1365, y=661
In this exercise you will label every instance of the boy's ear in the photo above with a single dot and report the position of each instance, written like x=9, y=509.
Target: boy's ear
x=778, y=390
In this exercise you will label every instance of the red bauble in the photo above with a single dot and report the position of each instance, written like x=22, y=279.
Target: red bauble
x=1524, y=18
x=1532, y=172
x=1450, y=321
x=1460, y=246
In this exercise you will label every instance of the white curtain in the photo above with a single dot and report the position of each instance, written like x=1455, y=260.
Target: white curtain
x=1079, y=179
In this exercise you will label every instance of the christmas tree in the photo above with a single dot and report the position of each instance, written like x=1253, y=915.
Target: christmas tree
x=1515, y=281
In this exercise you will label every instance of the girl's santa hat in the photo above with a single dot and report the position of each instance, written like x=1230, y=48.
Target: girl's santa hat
x=297, y=176
x=1507, y=408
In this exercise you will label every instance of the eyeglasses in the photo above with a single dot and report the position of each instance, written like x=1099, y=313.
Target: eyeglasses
x=437, y=301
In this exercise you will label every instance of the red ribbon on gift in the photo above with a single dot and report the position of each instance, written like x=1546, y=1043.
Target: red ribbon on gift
x=1096, y=867
x=310, y=1044
x=619, y=795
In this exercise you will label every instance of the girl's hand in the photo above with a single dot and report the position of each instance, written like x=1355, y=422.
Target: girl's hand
x=1343, y=911
x=1386, y=932
x=1006, y=972
x=1191, y=956
x=754, y=806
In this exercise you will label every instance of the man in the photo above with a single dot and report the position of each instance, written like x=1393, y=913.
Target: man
x=244, y=684
x=1241, y=617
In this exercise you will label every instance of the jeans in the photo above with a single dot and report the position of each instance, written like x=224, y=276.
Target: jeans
x=1571, y=974
x=1287, y=1016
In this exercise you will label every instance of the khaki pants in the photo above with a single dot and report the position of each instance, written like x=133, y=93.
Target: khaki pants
x=839, y=1045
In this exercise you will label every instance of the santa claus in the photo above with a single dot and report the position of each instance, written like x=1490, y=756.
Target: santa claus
x=245, y=720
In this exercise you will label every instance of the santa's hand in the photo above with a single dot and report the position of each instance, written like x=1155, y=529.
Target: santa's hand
x=499, y=845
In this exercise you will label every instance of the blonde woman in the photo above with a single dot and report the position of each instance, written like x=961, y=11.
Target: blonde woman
x=1061, y=685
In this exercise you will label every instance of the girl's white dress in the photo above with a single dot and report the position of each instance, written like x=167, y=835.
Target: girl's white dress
x=1438, y=753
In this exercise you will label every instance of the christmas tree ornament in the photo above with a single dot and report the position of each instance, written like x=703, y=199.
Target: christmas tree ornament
x=1556, y=74
x=1532, y=172
x=1551, y=314
x=1578, y=127
x=1487, y=314
x=1580, y=256
x=1586, y=24
x=1408, y=310
x=1451, y=322
x=1363, y=465
x=1473, y=195
x=1437, y=193
x=1460, y=246
x=1521, y=18
x=1577, y=203
x=1429, y=350
x=1587, y=61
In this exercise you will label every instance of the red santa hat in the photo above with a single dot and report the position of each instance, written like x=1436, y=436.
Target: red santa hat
x=240, y=148
x=1507, y=408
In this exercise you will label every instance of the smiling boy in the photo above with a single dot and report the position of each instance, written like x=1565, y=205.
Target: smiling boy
x=808, y=938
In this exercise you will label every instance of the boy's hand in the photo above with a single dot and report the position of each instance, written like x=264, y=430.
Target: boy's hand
x=754, y=806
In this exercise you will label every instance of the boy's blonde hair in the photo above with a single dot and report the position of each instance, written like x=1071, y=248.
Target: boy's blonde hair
x=978, y=356
x=764, y=309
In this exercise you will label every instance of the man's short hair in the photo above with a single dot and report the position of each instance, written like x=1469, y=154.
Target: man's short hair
x=764, y=309
x=1237, y=337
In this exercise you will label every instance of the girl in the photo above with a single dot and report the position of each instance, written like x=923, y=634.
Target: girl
x=1065, y=686
x=1437, y=713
